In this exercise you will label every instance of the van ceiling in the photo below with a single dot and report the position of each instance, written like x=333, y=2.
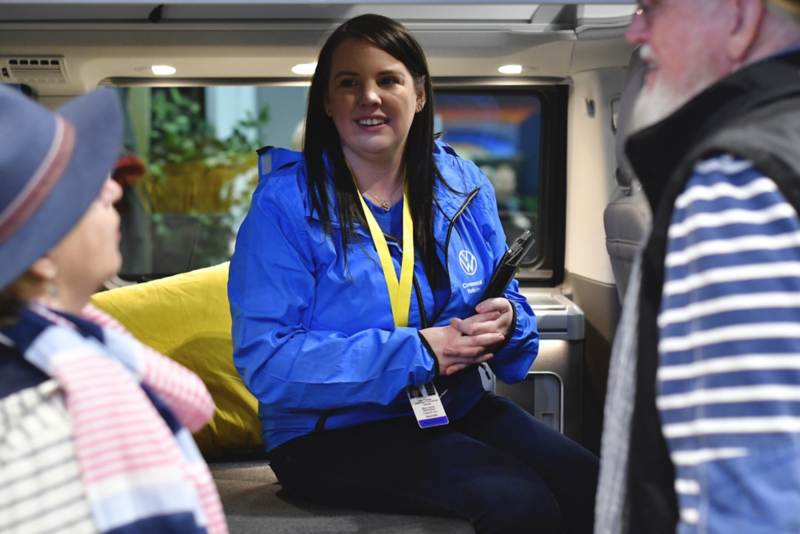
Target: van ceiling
x=233, y=41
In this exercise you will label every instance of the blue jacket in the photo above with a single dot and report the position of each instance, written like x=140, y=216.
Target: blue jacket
x=315, y=341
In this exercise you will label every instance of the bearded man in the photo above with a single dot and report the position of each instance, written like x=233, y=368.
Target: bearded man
x=703, y=412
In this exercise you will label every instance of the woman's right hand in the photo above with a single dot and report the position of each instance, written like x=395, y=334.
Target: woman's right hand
x=455, y=351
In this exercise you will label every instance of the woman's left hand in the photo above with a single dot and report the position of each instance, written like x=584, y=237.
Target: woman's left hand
x=494, y=316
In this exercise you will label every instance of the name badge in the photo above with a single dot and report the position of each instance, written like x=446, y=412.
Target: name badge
x=427, y=405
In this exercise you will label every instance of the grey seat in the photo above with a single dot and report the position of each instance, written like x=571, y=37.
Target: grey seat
x=625, y=219
x=254, y=502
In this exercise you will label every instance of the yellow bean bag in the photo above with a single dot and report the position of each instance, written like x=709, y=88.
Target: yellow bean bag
x=187, y=317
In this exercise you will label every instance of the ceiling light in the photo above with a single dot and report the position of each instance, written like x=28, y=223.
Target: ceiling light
x=511, y=69
x=163, y=70
x=305, y=68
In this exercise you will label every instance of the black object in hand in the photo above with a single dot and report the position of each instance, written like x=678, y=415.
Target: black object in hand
x=508, y=267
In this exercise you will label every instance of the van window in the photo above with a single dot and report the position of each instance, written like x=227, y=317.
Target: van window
x=501, y=135
x=199, y=145
x=517, y=136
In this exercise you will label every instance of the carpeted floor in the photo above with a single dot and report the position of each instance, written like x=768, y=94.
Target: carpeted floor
x=254, y=502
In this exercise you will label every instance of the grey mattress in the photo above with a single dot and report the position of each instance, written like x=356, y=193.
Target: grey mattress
x=254, y=502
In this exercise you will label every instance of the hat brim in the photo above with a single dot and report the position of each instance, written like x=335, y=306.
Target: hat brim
x=98, y=121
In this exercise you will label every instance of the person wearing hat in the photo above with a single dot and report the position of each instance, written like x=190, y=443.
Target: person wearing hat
x=702, y=425
x=94, y=426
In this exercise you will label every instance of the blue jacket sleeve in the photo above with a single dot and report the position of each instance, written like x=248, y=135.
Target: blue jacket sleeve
x=512, y=363
x=282, y=358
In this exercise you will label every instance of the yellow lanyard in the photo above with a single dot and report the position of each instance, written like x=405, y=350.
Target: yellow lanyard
x=399, y=291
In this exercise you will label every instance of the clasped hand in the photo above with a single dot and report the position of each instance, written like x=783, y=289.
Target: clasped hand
x=466, y=342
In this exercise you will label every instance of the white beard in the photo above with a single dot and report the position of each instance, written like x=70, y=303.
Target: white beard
x=658, y=102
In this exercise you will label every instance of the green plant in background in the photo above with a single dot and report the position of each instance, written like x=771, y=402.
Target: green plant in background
x=197, y=185
x=179, y=133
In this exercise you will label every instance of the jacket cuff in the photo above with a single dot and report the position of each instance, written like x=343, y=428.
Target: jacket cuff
x=507, y=340
x=432, y=354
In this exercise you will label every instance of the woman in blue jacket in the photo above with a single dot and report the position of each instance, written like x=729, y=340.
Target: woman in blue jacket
x=355, y=291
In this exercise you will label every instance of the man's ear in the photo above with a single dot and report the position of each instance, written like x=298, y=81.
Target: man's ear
x=45, y=268
x=749, y=14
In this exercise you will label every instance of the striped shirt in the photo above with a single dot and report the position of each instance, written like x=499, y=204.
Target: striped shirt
x=729, y=348
x=119, y=460
x=41, y=490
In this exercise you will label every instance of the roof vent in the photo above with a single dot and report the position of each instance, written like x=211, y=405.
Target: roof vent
x=32, y=70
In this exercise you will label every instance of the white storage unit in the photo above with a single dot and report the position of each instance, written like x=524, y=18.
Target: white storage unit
x=553, y=390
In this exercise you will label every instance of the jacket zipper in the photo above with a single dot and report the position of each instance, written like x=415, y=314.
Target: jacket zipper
x=420, y=304
x=320, y=426
x=417, y=291
x=447, y=247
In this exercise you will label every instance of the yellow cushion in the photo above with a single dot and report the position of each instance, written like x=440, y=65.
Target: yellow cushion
x=187, y=317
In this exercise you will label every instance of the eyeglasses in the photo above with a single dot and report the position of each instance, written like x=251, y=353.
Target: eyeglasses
x=648, y=9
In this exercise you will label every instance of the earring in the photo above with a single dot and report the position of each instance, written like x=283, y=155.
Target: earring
x=52, y=290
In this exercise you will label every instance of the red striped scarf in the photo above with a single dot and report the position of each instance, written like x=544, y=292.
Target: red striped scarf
x=122, y=443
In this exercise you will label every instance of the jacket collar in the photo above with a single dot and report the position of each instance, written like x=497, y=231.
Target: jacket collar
x=656, y=152
x=449, y=201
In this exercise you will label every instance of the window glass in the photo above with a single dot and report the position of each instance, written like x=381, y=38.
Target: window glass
x=189, y=167
x=501, y=134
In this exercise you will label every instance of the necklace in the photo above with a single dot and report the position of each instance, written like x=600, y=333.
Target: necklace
x=385, y=203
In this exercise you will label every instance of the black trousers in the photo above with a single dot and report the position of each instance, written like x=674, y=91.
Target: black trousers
x=498, y=467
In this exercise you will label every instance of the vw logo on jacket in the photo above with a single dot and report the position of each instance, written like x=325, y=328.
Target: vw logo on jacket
x=468, y=262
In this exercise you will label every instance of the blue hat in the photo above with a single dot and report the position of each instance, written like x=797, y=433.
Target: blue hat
x=52, y=167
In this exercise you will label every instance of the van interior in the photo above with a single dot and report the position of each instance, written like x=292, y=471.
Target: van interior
x=533, y=93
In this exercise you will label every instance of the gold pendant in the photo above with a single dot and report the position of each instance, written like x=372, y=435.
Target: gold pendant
x=385, y=205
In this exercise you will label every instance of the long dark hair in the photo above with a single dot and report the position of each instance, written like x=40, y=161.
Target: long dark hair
x=322, y=139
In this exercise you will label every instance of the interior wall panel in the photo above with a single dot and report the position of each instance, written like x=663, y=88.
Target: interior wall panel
x=591, y=166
